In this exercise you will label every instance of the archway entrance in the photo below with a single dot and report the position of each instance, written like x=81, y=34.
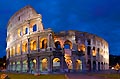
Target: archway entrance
x=78, y=65
x=44, y=65
x=69, y=64
x=13, y=67
x=57, y=45
x=24, y=68
x=18, y=67
x=98, y=65
x=67, y=44
x=56, y=64
x=33, y=65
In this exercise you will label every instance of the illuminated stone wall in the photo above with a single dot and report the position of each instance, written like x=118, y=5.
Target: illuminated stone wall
x=30, y=48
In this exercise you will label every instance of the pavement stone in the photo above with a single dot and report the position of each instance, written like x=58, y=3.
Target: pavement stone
x=82, y=76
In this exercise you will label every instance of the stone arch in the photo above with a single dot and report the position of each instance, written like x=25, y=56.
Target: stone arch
x=34, y=28
x=44, y=64
x=81, y=47
x=78, y=65
x=57, y=44
x=88, y=50
x=11, y=51
x=69, y=63
x=24, y=67
x=24, y=47
x=19, y=33
x=25, y=30
x=33, y=65
x=94, y=52
x=68, y=44
x=33, y=45
x=18, y=67
x=18, y=49
x=43, y=43
x=56, y=64
x=101, y=65
x=13, y=66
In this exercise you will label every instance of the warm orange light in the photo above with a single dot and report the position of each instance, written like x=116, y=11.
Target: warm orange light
x=93, y=52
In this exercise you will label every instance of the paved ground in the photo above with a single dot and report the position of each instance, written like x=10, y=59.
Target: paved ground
x=82, y=76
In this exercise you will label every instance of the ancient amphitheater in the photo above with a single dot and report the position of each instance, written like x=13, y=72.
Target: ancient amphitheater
x=31, y=48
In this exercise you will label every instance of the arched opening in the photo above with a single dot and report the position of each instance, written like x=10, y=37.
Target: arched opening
x=94, y=52
x=10, y=66
x=94, y=65
x=33, y=45
x=81, y=47
x=43, y=43
x=13, y=51
x=34, y=28
x=18, y=49
x=13, y=66
x=88, y=42
x=33, y=65
x=67, y=44
x=101, y=65
x=57, y=45
x=18, y=67
x=69, y=64
x=56, y=64
x=88, y=50
x=26, y=30
x=24, y=68
x=24, y=47
x=44, y=65
x=78, y=65
x=89, y=65
x=98, y=65
x=19, y=33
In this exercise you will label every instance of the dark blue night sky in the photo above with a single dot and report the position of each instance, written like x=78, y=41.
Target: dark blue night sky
x=100, y=17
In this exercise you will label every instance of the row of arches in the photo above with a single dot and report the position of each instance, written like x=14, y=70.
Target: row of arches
x=93, y=65
x=43, y=65
x=68, y=45
x=33, y=46
x=26, y=30
x=43, y=45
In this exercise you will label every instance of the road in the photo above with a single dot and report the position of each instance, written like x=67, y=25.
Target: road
x=82, y=76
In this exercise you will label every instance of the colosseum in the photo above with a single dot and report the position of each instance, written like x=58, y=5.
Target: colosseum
x=33, y=49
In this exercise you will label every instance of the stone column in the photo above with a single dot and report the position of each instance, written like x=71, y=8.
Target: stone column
x=21, y=47
x=15, y=66
x=38, y=47
x=21, y=63
x=62, y=64
x=37, y=65
x=91, y=58
x=28, y=55
x=96, y=65
x=15, y=50
x=49, y=64
x=50, y=42
x=83, y=63
x=73, y=63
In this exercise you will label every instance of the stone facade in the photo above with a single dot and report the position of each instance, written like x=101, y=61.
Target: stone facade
x=31, y=48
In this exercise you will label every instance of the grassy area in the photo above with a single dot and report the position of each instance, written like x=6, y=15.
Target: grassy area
x=31, y=76
x=111, y=76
